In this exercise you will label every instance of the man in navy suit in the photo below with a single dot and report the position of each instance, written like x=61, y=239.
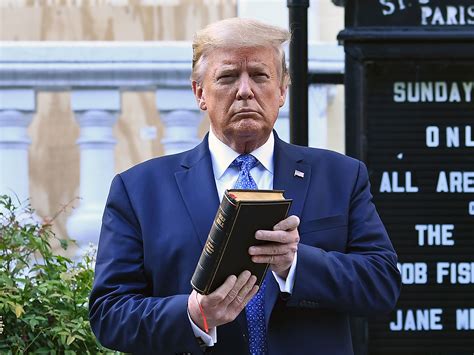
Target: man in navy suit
x=330, y=259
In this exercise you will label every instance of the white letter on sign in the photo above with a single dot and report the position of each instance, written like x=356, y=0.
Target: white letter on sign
x=432, y=136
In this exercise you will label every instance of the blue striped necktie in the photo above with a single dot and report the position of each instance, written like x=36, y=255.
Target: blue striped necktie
x=255, y=309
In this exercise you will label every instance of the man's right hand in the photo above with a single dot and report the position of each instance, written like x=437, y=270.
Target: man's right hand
x=224, y=304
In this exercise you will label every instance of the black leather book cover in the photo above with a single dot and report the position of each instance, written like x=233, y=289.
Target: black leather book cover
x=232, y=234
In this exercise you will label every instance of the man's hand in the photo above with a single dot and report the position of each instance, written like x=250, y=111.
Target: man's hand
x=281, y=247
x=224, y=304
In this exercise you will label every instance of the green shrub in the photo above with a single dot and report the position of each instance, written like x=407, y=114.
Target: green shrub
x=43, y=296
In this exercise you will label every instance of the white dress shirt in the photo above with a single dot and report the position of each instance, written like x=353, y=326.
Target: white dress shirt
x=226, y=176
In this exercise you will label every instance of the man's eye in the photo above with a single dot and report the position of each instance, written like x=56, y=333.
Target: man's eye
x=261, y=76
x=225, y=77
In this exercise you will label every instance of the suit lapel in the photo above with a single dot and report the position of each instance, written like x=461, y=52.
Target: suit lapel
x=288, y=160
x=198, y=190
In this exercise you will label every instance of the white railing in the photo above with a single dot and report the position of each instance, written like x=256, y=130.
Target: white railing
x=95, y=73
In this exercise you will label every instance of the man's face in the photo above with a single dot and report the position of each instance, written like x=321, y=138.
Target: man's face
x=242, y=92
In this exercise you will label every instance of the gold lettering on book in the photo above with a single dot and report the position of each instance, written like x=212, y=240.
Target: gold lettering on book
x=209, y=246
x=220, y=220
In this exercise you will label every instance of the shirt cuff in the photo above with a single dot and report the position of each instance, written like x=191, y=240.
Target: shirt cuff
x=287, y=285
x=208, y=339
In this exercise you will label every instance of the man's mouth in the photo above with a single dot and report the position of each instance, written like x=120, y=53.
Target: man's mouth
x=247, y=112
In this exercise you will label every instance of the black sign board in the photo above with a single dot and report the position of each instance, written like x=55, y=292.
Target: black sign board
x=420, y=153
x=425, y=13
x=409, y=84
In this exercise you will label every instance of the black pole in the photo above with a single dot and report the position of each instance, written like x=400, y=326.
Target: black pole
x=298, y=16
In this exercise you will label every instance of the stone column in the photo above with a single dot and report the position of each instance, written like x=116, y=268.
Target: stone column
x=96, y=112
x=181, y=117
x=16, y=112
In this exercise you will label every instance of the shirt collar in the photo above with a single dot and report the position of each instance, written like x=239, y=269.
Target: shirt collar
x=222, y=155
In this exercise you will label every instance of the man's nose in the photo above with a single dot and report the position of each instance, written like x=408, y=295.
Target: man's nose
x=245, y=91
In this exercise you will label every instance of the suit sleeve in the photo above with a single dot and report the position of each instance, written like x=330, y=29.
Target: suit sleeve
x=123, y=314
x=364, y=279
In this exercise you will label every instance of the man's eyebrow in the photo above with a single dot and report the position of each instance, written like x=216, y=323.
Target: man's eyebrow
x=227, y=66
x=224, y=69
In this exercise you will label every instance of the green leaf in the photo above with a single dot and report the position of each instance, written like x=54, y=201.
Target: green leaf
x=64, y=243
x=16, y=308
x=33, y=323
x=70, y=339
x=66, y=276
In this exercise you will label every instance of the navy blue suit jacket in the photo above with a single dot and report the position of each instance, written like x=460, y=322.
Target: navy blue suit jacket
x=157, y=218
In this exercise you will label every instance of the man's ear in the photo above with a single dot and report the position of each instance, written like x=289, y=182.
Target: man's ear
x=198, y=93
x=283, y=91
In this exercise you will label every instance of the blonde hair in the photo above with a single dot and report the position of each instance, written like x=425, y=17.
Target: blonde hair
x=238, y=33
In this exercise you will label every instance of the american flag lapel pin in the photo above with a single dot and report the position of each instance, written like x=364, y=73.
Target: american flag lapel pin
x=298, y=173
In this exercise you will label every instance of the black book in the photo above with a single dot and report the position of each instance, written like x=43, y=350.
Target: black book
x=240, y=214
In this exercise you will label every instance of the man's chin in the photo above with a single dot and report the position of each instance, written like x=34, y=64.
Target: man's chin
x=248, y=126
x=250, y=131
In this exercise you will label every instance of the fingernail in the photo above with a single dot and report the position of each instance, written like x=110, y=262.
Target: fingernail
x=252, y=250
x=258, y=234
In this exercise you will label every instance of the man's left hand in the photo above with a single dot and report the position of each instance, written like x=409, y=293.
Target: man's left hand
x=281, y=246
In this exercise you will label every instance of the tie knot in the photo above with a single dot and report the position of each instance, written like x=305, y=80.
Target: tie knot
x=245, y=162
